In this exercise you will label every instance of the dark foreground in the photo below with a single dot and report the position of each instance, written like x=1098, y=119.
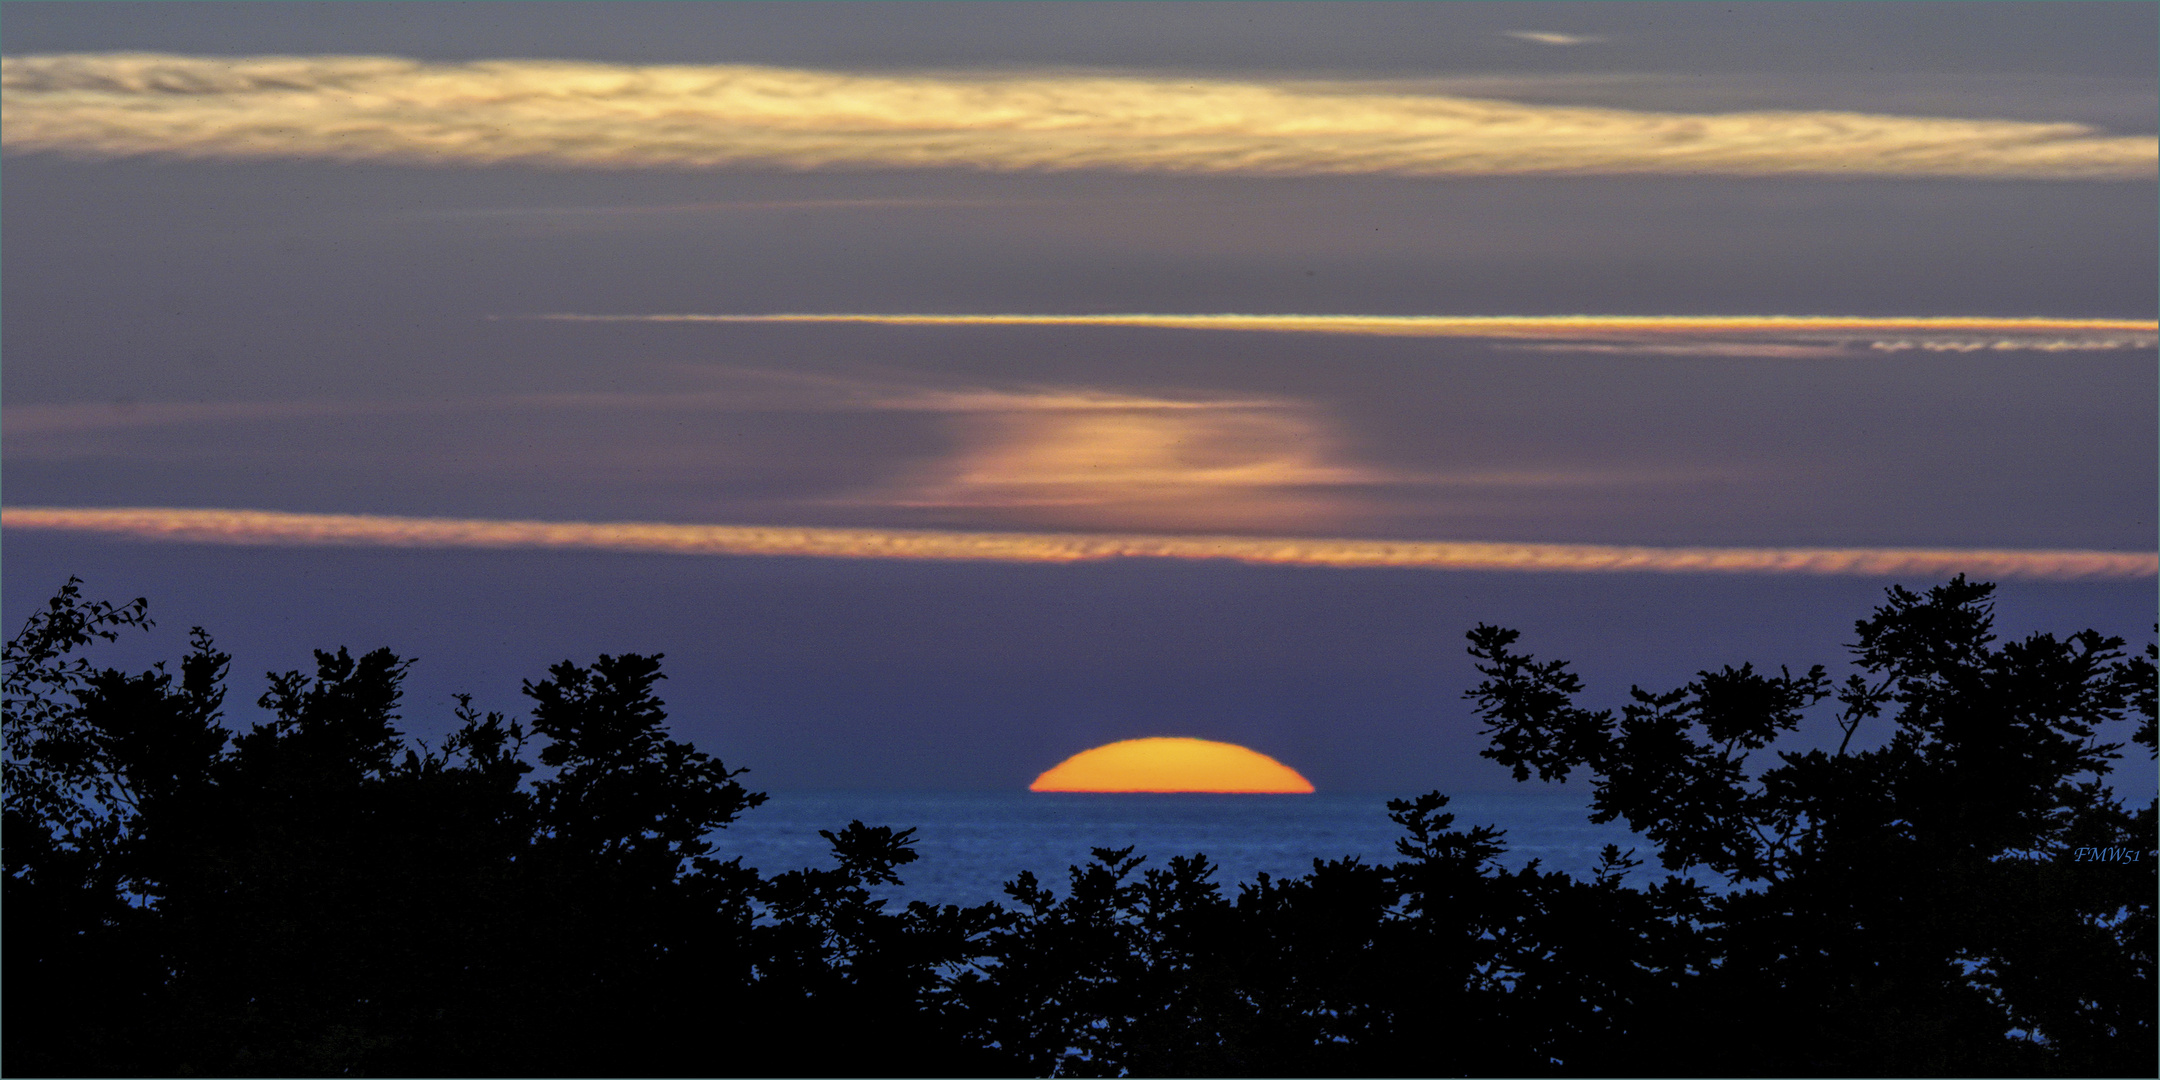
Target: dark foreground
x=320, y=895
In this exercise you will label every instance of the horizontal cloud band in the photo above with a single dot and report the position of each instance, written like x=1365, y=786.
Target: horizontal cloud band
x=565, y=113
x=1473, y=326
x=275, y=528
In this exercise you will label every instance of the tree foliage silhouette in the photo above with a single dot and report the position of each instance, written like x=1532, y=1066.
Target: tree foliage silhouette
x=1951, y=890
x=320, y=895
x=1918, y=907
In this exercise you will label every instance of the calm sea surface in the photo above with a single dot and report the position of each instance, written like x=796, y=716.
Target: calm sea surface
x=971, y=843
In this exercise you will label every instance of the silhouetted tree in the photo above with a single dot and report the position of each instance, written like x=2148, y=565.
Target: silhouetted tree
x=1933, y=905
x=1957, y=894
x=1938, y=904
x=320, y=895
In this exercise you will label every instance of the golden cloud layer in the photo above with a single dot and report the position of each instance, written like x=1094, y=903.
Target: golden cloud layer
x=564, y=113
x=262, y=527
x=1531, y=327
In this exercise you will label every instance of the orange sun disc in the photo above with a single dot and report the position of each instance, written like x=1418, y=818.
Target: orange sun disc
x=1166, y=764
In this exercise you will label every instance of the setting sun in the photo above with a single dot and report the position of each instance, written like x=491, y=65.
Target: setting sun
x=1173, y=764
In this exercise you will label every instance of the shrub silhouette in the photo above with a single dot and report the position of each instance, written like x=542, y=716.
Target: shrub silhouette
x=322, y=895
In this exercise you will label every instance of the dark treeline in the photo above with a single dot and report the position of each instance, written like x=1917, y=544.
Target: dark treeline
x=320, y=894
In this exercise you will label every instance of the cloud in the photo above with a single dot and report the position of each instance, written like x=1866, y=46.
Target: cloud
x=589, y=115
x=1062, y=399
x=1548, y=37
x=263, y=527
x=1492, y=326
x=1235, y=465
x=1837, y=348
x=1091, y=457
x=1079, y=456
x=1019, y=455
x=1968, y=345
x=746, y=390
x=737, y=388
x=1717, y=350
x=1739, y=336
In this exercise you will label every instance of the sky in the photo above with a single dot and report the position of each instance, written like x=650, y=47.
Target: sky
x=947, y=389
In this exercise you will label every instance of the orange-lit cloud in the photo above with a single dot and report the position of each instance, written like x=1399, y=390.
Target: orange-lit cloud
x=1173, y=764
x=264, y=527
x=1064, y=457
x=1078, y=399
x=1093, y=457
x=567, y=113
x=1553, y=37
x=1075, y=459
x=1775, y=336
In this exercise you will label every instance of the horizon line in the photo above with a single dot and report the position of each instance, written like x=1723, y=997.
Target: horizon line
x=281, y=528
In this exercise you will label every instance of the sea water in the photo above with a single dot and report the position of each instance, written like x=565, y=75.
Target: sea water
x=970, y=843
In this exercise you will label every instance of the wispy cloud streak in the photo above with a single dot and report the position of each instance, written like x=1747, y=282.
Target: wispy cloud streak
x=1758, y=336
x=1494, y=326
x=564, y=113
x=261, y=527
x=1555, y=38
